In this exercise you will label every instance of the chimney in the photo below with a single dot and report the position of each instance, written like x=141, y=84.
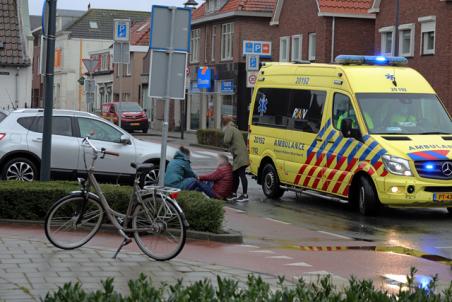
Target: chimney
x=89, y=6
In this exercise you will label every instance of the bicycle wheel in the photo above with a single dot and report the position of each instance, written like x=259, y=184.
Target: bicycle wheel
x=160, y=229
x=62, y=225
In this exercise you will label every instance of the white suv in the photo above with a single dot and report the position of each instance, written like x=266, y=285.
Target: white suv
x=21, y=143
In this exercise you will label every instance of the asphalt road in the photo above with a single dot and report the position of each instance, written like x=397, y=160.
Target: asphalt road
x=427, y=230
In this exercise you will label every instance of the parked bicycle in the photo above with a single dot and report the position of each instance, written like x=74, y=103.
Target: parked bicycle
x=153, y=216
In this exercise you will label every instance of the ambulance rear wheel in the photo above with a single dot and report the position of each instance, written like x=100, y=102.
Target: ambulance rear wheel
x=270, y=182
x=367, y=198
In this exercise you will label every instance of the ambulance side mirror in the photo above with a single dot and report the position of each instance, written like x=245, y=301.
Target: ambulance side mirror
x=347, y=127
x=348, y=130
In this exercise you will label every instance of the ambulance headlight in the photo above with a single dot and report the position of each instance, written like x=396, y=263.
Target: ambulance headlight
x=397, y=165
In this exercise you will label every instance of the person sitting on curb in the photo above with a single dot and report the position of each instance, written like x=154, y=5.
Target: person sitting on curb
x=179, y=173
x=218, y=184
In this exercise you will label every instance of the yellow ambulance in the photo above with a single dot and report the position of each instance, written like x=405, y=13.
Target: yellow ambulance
x=367, y=130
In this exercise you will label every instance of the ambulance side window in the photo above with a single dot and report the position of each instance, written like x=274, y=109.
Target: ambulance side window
x=306, y=110
x=270, y=108
x=343, y=109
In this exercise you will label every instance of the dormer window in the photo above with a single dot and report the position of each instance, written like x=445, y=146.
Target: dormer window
x=214, y=5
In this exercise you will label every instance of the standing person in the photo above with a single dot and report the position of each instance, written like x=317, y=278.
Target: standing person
x=179, y=173
x=233, y=138
x=219, y=184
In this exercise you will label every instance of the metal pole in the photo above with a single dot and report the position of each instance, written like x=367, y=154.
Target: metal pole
x=167, y=102
x=182, y=116
x=120, y=71
x=397, y=23
x=48, y=99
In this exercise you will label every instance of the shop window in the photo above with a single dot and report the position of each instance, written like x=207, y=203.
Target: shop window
x=297, y=46
x=195, y=45
x=212, y=44
x=312, y=46
x=284, y=49
x=227, y=35
x=428, y=35
x=387, y=40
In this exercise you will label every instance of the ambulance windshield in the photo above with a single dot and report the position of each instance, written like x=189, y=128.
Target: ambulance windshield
x=391, y=113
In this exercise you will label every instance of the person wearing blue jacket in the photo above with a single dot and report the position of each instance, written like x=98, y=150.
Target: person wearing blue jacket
x=179, y=173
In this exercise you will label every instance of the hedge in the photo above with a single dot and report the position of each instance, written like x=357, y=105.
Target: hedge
x=213, y=137
x=256, y=290
x=31, y=201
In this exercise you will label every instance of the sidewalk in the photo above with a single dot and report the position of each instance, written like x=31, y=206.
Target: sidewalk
x=31, y=268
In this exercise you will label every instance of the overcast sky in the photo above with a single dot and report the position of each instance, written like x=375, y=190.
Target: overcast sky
x=143, y=5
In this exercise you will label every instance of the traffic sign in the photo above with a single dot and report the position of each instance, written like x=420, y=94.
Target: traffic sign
x=261, y=48
x=161, y=18
x=90, y=64
x=89, y=86
x=121, y=30
x=121, y=53
x=252, y=62
x=251, y=78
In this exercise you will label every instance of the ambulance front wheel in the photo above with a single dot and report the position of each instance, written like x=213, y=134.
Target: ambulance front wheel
x=367, y=198
x=270, y=182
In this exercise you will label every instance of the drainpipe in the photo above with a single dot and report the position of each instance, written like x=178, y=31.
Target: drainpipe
x=16, y=89
x=333, y=39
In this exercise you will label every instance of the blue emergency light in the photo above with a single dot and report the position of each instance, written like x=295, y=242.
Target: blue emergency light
x=371, y=60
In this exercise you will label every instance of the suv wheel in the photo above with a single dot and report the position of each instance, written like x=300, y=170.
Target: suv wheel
x=270, y=182
x=367, y=198
x=20, y=169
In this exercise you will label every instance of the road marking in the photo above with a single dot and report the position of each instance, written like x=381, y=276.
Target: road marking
x=249, y=246
x=199, y=156
x=235, y=210
x=335, y=235
x=299, y=264
x=262, y=252
x=207, y=153
x=279, y=257
x=278, y=221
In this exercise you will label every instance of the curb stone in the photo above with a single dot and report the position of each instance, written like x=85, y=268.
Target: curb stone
x=228, y=236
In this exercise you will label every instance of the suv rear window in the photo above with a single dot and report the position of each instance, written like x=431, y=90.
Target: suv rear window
x=2, y=116
x=292, y=109
x=61, y=125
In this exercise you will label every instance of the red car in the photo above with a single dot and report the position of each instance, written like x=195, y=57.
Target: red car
x=133, y=117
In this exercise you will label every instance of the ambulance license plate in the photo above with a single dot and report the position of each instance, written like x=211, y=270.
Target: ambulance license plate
x=442, y=197
x=135, y=124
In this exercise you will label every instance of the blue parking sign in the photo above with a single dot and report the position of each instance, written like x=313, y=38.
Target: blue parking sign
x=249, y=47
x=122, y=30
x=257, y=48
x=253, y=62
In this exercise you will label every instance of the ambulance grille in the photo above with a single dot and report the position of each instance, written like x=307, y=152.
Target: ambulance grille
x=435, y=172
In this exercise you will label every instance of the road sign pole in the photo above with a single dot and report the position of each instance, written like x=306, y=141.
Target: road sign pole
x=120, y=71
x=167, y=103
x=48, y=99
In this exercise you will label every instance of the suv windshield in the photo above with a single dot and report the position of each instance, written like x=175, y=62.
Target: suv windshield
x=388, y=113
x=2, y=116
x=128, y=107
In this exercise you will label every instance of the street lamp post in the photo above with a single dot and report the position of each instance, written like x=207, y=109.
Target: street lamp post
x=183, y=107
x=396, y=31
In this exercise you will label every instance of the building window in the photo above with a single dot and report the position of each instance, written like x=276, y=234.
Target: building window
x=312, y=46
x=104, y=62
x=406, y=40
x=227, y=34
x=195, y=39
x=297, y=46
x=387, y=40
x=428, y=36
x=214, y=37
x=214, y=5
x=284, y=49
x=93, y=25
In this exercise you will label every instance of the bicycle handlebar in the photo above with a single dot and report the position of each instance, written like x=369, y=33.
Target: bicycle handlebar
x=102, y=151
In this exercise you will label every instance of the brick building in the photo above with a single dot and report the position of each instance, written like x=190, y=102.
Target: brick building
x=319, y=30
x=218, y=31
x=425, y=36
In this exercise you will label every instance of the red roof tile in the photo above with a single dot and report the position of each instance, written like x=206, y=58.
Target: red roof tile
x=238, y=5
x=353, y=7
x=140, y=33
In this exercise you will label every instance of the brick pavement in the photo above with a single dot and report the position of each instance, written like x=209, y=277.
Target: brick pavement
x=29, y=269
